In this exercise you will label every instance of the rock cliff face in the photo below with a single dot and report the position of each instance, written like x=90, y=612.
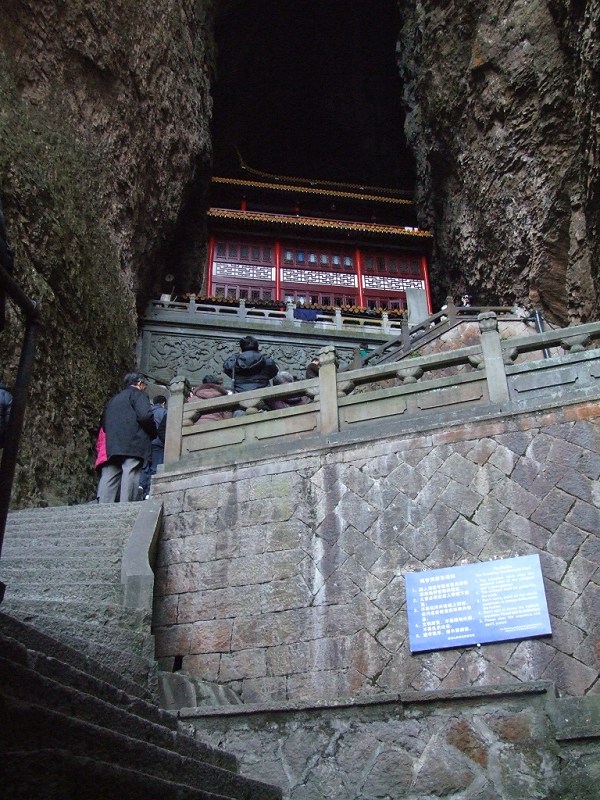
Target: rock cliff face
x=105, y=157
x=105, y=149
x=503, y=104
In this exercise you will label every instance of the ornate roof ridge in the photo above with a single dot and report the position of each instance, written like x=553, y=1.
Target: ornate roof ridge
x=282, y=187
x=316, y=222
x=316, y=182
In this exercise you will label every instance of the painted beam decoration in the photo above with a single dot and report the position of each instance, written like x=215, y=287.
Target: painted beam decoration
x=472, y=604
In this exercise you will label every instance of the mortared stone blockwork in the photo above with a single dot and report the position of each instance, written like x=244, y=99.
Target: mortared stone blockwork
x=282, y=578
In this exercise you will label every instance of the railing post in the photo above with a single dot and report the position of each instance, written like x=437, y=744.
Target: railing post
x=329, y=417
x=492, y=357
x=339, y=324
x=405, y=335
x=385, y=322
x=192, y=304
x=450, y=309
x=242, y=311
x=179, y=389
x=289, y=310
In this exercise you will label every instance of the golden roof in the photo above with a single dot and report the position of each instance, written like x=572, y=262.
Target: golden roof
x=314, y=222
x=289, y=187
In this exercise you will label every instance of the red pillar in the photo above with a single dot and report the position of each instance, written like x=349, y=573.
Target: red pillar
x=278, y=271
x=425, y=274
x=359, y=277
x=209, y=268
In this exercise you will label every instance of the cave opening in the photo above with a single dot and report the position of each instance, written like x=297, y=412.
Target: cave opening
x=302, y=88
x=310, y=89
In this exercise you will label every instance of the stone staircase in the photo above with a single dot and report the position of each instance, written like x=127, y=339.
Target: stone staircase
x=77, y=673
x=62, y=570
x=71, y=728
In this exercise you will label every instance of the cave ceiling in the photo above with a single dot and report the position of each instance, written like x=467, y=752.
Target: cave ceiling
x=310, y=89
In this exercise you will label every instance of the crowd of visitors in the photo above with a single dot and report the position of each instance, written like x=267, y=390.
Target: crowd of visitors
x=131, y=437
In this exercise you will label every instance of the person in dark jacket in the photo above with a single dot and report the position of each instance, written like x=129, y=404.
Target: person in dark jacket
x=275, y=403
x=249, y=369
x=312, y=368
x=159, y=411
x=129, y=426
x=6, y=399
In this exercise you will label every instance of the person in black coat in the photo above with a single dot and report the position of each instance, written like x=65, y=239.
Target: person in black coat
x=249, y=369
x=129, y=425
x=6, y=399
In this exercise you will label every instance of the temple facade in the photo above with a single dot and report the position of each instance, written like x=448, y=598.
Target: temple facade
x=317, y=244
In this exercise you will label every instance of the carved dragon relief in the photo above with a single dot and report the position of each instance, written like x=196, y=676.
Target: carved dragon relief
x=195, y=356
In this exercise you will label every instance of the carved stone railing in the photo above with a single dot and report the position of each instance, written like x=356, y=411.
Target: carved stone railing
x=244, y=314
x=486, y=379
x=417, y=336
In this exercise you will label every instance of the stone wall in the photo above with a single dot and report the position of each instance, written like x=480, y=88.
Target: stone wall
x=504, y=745
x=103, y=161
x=282, y=579
x=502, y=104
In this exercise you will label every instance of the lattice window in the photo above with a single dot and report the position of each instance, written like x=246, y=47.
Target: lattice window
x=322, y=278
x=383, y=283
x=247, y=272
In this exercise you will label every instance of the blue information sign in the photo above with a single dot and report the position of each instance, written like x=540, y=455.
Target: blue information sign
x=475, y=603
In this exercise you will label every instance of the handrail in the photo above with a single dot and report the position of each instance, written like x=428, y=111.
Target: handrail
x=323, y=319
x=31, y=311
x=481, y=378
x=411, y=338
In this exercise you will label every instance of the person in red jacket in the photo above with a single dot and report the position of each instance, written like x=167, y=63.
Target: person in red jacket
x=211, y=387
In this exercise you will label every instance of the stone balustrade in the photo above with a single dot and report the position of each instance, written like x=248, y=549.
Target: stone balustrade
x=492, y=377
x=243, y=314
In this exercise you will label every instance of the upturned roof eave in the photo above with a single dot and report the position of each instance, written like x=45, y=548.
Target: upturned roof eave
x=255, y=219
x=366, y=194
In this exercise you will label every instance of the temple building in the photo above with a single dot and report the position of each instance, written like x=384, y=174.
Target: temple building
x=315, y=243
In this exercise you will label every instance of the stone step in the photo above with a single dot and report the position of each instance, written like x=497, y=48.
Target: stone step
x=22, y=684
x=38, y=641
x=68, y=537
x=55, y=527
x=113, y=636
x=57, y=590
x=29, y=727
x=50, y=569
x=102, y=685
x=111, y=613
x=45, y=546
x=121, y=650
x=94, y=559
x=77, y=512
x=51, y=774
x=65, y=518
x=78, y=569
x=33, y=557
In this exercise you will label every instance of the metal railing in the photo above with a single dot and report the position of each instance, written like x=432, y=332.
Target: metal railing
x=416, y=336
